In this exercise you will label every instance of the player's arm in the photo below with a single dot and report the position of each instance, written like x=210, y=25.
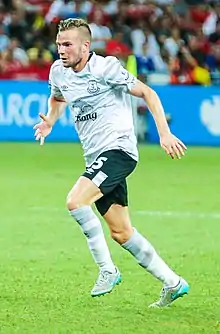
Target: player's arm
x=171, y=144
x=119, y=78
x=56, y=106
x=154, y=104
x=56, y=101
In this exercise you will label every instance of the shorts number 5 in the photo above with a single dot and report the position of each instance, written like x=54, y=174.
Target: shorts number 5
x=96, y=165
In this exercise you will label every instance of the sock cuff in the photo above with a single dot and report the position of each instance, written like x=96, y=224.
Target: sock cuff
x=84, y=213
x=82, y=208
x=129, y=242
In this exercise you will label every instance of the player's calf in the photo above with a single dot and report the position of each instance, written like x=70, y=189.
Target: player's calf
x=121, y=236
x=92, y=229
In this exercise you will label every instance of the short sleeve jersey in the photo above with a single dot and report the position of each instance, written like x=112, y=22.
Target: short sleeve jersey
x=100, y=104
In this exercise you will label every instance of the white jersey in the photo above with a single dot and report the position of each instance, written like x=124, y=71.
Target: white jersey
x=100, y=104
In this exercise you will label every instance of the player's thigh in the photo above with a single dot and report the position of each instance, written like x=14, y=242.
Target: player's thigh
x=110, y=169
x=114, y=209
x=84, y=192
x=99, y=179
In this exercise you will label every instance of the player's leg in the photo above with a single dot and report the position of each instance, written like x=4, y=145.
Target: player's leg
x=97, y=181
x=118, y=220
x=79, y=201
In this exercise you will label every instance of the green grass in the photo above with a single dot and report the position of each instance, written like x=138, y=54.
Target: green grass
x=46, y=271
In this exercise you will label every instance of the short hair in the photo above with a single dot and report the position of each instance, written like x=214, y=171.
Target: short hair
x=80, y=24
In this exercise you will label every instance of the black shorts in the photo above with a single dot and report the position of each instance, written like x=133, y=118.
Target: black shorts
x=109, y=173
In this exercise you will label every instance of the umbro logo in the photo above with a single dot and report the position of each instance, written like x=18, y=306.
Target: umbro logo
x=64, y=87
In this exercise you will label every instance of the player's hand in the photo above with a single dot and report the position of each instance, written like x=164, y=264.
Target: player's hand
x=43, y=129
x=172, y=146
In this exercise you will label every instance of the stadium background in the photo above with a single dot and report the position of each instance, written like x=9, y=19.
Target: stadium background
x=46, y=271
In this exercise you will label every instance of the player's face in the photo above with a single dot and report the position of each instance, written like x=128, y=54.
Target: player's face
x=71, y=47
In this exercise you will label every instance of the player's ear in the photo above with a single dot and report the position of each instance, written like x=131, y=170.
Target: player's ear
x=86, y=45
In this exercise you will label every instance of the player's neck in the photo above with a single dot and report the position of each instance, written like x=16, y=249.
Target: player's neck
x=80, y=66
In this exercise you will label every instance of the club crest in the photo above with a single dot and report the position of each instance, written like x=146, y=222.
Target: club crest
x=93, y=87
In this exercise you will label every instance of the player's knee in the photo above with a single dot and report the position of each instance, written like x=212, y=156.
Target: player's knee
x=122, y=236
x=72, y=202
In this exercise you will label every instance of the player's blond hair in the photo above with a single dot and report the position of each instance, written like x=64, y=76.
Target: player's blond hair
x=80, y=24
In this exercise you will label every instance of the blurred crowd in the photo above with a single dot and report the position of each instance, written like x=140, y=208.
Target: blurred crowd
x=166, y=41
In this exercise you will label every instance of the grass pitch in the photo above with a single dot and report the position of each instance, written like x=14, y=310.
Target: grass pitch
x=46, y=270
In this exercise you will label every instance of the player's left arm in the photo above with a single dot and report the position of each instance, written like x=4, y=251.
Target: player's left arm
x=119, y=78
x=170, y=143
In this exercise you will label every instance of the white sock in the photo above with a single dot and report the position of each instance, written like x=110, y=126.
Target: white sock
x=92, y=229
x=148, y=258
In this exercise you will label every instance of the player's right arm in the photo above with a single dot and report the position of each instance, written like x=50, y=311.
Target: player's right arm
x=56, y=106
